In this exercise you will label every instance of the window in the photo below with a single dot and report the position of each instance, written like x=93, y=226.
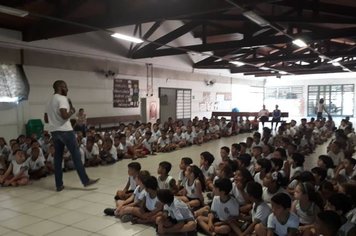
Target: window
x=339, y=99
x=284, y=97
x=13, y=85
x=184, y=104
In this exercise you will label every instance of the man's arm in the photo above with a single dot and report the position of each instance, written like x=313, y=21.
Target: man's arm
x=65, y=114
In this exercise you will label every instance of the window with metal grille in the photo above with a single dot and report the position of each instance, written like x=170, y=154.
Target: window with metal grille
x=184, y=103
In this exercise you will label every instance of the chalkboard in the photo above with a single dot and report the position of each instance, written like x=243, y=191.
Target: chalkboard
x=125, y=93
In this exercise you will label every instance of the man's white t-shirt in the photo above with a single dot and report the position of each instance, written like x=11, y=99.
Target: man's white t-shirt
x=55, y=121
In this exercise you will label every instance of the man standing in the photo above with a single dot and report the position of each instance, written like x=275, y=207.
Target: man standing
x=58, y=112
x=276, y=117
x=263, y=114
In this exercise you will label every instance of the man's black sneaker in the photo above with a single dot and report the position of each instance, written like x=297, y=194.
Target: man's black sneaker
x=91, y=182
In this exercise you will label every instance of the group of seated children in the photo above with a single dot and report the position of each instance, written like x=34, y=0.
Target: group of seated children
x=245, y=192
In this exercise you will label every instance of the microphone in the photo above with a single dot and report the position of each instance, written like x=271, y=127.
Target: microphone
x=71, y=105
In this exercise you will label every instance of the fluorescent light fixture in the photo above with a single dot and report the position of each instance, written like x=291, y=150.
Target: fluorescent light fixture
x=323, y=57
x=300, y=43
x=237, y=63
x=264, y=68
x=13, y=11
x=336, y=63
x=127, y=38
x=252, y=16
x=282, y=72
x=9, y=99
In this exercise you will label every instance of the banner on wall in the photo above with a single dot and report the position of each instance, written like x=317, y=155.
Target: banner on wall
x=125, y=93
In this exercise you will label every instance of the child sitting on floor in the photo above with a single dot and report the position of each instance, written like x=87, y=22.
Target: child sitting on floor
x=281, y=221
x=165, y=181
x=223, y=209
x=133, y=170
x=176, y=217
x=17, y=172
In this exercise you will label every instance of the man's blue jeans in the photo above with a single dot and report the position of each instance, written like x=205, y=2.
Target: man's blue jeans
x=61, y=139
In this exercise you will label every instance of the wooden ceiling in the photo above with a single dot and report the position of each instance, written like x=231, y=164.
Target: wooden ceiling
x=328, y=27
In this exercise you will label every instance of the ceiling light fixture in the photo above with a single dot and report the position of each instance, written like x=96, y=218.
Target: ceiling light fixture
x=300, y=43
x=282, y=72
x=237, y=63
x=264, y=68
x=252, y=16
x=9, y=99
x=127, y=38
x=13, y=11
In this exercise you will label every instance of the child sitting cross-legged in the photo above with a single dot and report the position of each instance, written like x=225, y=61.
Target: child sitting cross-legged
x=192, y=193
x=165, y=181
x=150, y=207
x=177, y=216
x=17, y=172
x=123, y=207
x=36, y=165
x=133, y=170
x=223, y=208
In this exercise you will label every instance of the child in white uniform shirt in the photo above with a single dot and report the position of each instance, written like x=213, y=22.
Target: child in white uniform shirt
x=223, y=209
x=124, y=207
x=151, y=208
x=184, y=163
x=37, y=168
x=133, y=170
x=259, y=212
x=281, y=222
x=17, y=172
x=177, y=216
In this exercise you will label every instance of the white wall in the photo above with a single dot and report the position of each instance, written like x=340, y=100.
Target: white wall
x=93, y=92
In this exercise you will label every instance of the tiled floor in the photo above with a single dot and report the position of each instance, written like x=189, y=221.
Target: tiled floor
x=38, y=210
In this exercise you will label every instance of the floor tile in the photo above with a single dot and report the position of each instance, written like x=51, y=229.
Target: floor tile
x=95, y=209
x=29, y=207
x=73, y=204
x=20, y=221
x=70, y=217
x=147, y=232
x=69, y=231
x=15, y=233
x=94, y=224
x=124, y=229
x=7, y=214
x=3, y=230
x=12, y=202
x=54, y=199
x=98, y=197
x=41, y=228
x=47, y=212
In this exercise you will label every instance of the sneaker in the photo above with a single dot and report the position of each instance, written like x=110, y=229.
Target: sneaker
x=91, y=182
x=126, y=218
x=58, y=189
x=109, y=211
